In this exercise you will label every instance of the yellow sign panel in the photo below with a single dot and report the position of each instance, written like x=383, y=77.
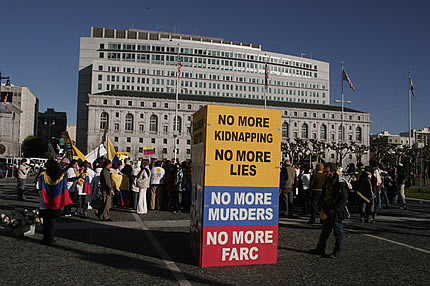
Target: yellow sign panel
x=242, y=146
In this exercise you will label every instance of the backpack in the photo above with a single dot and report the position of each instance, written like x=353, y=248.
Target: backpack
x=142, y=182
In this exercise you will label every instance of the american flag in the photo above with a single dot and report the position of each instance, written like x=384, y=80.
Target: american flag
x=179, y=66
x=411, y=86
x=266, y=77
x=346, y=77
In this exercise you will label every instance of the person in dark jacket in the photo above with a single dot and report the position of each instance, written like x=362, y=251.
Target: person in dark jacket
x=335, y=198
x=317, y=182
x=286, y=192
x=107, y=191
x=368, y=196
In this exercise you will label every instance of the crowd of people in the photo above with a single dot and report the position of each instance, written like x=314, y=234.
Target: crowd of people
x=74, y=187
x=327, y=194
x=164, y=185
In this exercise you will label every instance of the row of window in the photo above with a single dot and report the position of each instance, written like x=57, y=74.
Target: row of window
x=314, y=115
x=323, y=132
x=214, y=53
x=164, y=151
x=254, y=80
x=153, y=123
x=214, y=64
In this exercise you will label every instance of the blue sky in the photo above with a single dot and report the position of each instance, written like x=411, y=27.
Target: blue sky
x=379, y=42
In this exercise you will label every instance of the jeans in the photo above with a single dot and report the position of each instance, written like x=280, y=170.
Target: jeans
x=287, y=198
x=83, y=204
x=20, y=187
x=315, y=204
x=135, y=199
x=328, y=225
x=378, y=204
x=385, y=197
x=402, y=194
x=367, y=209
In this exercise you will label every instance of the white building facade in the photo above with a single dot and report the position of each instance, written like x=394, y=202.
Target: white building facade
x=21, y=122
x=140, y=60
x=135, y=119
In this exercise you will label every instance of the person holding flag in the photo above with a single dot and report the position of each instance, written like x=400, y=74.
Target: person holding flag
x=55, y=194
x=83, y=189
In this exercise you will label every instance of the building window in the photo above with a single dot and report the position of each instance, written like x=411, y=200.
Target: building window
x=332, y=137
x=104, y=119
x=128, y=139
x=129, y=122
x=100, y=77
x=104, y=101
x=164, y=150
x=141, y=127
x=165, y=117
x=153, y=123
x=140, y=140
x=116, y=126
x=141, y=116
x=339, y=137
x=117, y=102
x=323, y=132
x=188, y=142
x=285, y=113
x=130, y=103
x=164, y=141
x=305, y=131
x=128, y=149
x=152, y=140
x=166, y=105
x=100, y=68
x=116, y=148
x=189, y=106
x=165, y=129
x=285, y=130
x=140, y=149
x=115, y=139
x=99, y=86
x=154, y=104
x=177, y=125
x=142, y=104
x=188, y=151
x=358, y=136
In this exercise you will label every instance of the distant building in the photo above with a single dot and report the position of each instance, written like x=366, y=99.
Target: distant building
x=71, y=129
x=135, y=119
x=18, y=120
x=146, y=61
x=51, y=123
x=421, y=136
x=385, y=138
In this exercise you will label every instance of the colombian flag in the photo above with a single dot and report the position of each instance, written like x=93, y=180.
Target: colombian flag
x=85, y=181
x=55, y=193
x=111, y=153
x=148, y=150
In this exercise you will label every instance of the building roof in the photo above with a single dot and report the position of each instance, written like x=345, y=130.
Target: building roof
x=232, y=100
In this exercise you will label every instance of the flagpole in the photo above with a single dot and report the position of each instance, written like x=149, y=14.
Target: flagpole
x=341, y=80
x=266, y=81
x=410, y=118
x=175, y=120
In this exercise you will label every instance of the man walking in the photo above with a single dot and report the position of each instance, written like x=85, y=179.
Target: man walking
x=286, y=193
x=21, y=176
x=107, y=191
x=335, y=198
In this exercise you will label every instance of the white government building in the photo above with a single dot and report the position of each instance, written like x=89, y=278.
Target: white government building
x=127, y=80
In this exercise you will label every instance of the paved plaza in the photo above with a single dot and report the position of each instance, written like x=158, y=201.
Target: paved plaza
x=152, y=249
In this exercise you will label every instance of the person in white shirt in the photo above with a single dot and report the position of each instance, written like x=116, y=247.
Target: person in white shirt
x=145, y=176
x=156, y=189
x=134, y=187
x=72, y=175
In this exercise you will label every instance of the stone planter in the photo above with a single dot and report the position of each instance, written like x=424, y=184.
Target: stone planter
x=26, y=230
